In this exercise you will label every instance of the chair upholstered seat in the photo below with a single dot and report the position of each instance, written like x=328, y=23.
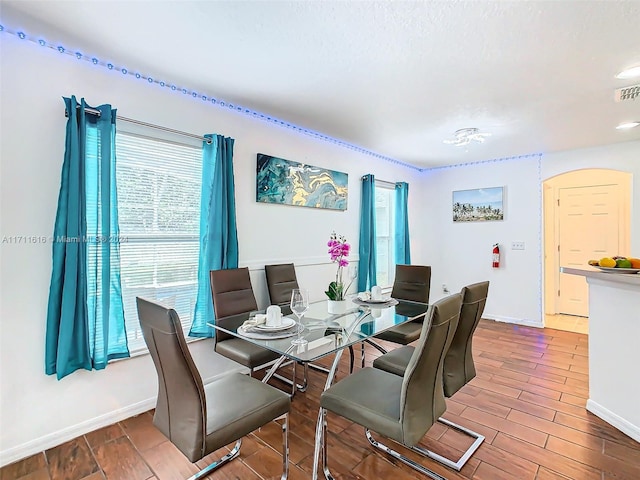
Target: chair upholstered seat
x=245, y=353
x=237, y=405
x=352, y=398
x=395, y=361
x=402, y=334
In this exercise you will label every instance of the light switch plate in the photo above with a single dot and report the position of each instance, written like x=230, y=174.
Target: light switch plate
x=517, y=245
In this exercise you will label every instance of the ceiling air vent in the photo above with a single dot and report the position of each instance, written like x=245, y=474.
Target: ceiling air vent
x=627, y=93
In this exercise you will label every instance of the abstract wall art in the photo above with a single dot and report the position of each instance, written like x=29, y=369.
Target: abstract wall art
x=292, y=183
x=478, y=205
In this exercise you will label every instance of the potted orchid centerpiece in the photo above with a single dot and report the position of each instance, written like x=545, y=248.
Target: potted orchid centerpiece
x=338, y=251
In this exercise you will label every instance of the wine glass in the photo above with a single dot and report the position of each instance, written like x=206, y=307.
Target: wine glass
x=299, y=306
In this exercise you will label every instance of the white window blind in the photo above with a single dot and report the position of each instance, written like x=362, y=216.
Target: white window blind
x=159, y=215
x=385, y=256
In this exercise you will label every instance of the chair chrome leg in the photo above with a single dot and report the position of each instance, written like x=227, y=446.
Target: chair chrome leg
x=380, y=348
x=318, y=368
x=285, y=447
x=352, y=359
x=402, y=458
x=465, y=456
x=324, y=447
x=218, y=463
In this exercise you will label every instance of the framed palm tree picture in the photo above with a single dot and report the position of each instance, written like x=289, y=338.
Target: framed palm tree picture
x=478, y=205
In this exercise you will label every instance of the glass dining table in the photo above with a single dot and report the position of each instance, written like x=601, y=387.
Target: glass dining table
x=326, y=334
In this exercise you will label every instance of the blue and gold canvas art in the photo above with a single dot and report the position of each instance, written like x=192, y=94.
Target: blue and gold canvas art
x=292, y=183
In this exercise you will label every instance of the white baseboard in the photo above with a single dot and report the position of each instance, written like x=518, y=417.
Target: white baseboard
x=518, y=321
x=616, y=421
x=69, y=433
x=210, y=364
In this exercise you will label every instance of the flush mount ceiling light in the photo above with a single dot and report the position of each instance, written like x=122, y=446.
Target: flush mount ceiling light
x=626, y=126
x=632, y=72
x=465, y=136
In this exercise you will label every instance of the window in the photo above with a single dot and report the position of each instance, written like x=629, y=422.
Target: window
x=385, y=256
x=158, y=184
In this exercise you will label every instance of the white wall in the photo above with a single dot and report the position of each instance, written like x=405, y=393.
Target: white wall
x=460, y=253
x=37, y=411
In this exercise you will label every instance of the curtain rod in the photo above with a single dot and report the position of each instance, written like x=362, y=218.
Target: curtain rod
x=93, y=111
x=384, y=182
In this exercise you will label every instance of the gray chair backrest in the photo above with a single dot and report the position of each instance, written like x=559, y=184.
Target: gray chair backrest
x=412, y=282
x=422, y=382
x=281, y=279
x=181, y=410
x=459, y=368
x=232, y=294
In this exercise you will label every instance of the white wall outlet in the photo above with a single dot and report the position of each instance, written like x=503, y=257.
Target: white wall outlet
x=517, y=245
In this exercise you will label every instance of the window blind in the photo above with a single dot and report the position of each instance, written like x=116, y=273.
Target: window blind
x=159, y=186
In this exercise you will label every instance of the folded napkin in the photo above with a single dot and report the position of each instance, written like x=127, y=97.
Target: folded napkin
x=257, y=319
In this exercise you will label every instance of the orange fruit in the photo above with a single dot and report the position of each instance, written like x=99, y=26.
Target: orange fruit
x=635, y=262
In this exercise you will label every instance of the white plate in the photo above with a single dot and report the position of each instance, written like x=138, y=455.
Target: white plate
x=371, y=300
x=286, y=323
x=618, y=270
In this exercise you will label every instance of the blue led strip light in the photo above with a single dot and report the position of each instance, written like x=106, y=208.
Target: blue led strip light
x=482, y=162
x=200, y=96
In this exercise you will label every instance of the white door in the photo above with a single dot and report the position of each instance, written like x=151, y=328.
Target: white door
x=588, y=229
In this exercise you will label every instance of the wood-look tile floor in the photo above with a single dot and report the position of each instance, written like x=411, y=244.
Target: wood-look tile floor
x=528, y=399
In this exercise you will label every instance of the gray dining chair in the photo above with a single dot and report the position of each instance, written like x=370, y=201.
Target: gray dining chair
x=401, y=408
x=281, y=280
x=412, y=283
x=199, y=419
x=232, y=295
x=459, y=368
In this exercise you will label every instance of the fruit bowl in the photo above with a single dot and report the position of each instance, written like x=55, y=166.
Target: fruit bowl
x=617, y=264
x=617, y=269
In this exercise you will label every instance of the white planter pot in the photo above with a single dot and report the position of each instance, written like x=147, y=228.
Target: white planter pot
x=336, y=306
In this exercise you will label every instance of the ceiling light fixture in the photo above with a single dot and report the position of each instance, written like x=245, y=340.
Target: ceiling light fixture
x=626, y=126
x=632, y=72
x=465, y=136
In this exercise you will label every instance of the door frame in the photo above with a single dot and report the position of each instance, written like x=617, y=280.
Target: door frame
x=551, y=221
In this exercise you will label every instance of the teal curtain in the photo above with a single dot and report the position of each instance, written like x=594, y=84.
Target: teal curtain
x=367, y=247
x=218, y=232
x=402, y=247
x=85, y=317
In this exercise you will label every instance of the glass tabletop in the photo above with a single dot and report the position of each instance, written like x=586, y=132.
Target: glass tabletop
x=327, y=333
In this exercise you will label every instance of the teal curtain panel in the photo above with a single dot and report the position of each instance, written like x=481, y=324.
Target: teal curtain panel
x=218, y=231
x=401, y=227
x=85, y=317
x=367, y=246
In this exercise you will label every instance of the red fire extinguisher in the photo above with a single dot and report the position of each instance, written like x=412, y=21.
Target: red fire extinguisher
x=496, y=256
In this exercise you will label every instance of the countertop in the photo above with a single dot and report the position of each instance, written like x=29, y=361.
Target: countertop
x=624, y=278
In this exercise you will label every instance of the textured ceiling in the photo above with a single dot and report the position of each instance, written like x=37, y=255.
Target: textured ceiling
x=396, y=78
